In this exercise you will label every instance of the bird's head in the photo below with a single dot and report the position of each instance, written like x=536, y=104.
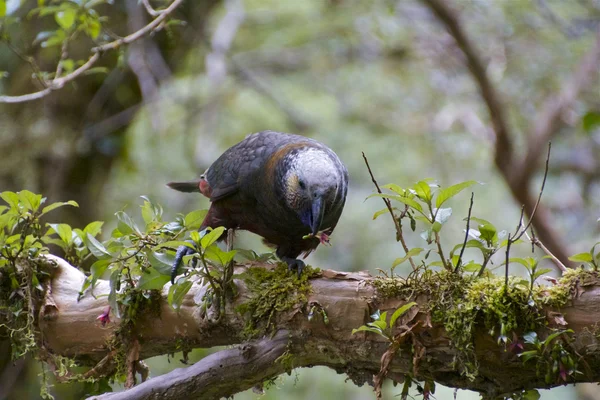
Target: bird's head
x=313, y=183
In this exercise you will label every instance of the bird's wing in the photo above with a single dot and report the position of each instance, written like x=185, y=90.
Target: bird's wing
x=241, y=161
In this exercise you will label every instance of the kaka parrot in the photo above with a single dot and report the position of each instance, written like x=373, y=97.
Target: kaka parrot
x=280, y=186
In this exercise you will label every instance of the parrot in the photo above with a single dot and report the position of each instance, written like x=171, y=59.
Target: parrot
x=287, y=188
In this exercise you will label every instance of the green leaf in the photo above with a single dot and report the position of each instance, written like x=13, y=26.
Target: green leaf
x=64, y=231
x=553, y=336
x=162, y=262
x=541, y=272
x=30, y=200
x=527, y=262
x=147, y=212
x=411, y=253
x=11, y=198
x=93, y=228
x=125, y=225
x=66, y=18
x=2, y=8
x=152, y=279
x=214, y=253
x=211, y=236
x=383, y=317
x=472, y=266
x=381, y=325
x=400, y=312
x=528, y=355
x=194, y=219
x=177, y=293
x=115, y=285
x=395, y=188
x=531, y=395
x=488, y=233
x=402, y=199
x=99, y=267
x=368, y=329
x=380, y=212
x=423, y=191
x=92, y=28
x=56, y=205
x=480, y=221
x=449, y=192
x=96, y=248
x=590, y=120
x=581, y=257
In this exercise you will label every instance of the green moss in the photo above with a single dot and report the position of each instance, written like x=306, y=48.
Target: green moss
x=463, y=302
x=272, y=291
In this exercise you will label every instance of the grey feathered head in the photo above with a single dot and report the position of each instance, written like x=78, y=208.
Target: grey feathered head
x=316, y=182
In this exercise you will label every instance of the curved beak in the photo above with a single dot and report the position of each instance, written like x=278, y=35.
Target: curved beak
x=316, y=214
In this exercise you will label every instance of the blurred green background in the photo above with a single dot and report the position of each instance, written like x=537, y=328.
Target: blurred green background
x=380, y=77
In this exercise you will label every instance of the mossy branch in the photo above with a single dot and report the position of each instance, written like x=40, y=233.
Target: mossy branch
x=449, y=305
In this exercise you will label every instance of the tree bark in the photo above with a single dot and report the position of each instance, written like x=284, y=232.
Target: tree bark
x=70, y=328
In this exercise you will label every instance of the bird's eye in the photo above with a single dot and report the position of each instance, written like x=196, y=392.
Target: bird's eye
x=302, y=184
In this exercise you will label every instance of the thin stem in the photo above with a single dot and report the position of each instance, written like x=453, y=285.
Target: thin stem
x=388, y=204
x=535, y=207
x=441, y=252
x=462, y=250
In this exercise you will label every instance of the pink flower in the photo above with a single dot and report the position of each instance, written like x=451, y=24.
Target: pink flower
x=104, y=317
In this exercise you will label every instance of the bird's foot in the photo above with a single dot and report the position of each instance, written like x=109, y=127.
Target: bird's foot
x=182, y=251
x=294, y=263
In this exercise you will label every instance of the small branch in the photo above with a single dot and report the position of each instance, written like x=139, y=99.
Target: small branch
x=219, y=375
x=537, y=203
x=388, y=204
x=441, y=252
x=508, y=244
x=59, y=83
x=462, y=250
x=535, y=241
x=150, y=10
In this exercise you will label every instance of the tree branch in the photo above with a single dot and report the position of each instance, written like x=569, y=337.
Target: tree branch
x=70, y=328
x=219, y=375
x=59, y=83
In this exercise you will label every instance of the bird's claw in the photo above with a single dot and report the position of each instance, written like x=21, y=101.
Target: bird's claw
x=294, y=264
x=182, y=251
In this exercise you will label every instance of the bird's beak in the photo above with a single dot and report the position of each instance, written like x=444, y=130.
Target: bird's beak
x=317, y=214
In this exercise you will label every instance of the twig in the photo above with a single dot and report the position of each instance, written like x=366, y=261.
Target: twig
x=441, y=252
x=388, y=204
x=462, y=250
x=150, y=10
x=508, y=244
x=97, y=51
x=537, y=203
x=535, y=241
x=64, y=53
x=522, y=230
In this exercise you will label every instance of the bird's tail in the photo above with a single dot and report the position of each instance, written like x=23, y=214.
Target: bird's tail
x=188, y=186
